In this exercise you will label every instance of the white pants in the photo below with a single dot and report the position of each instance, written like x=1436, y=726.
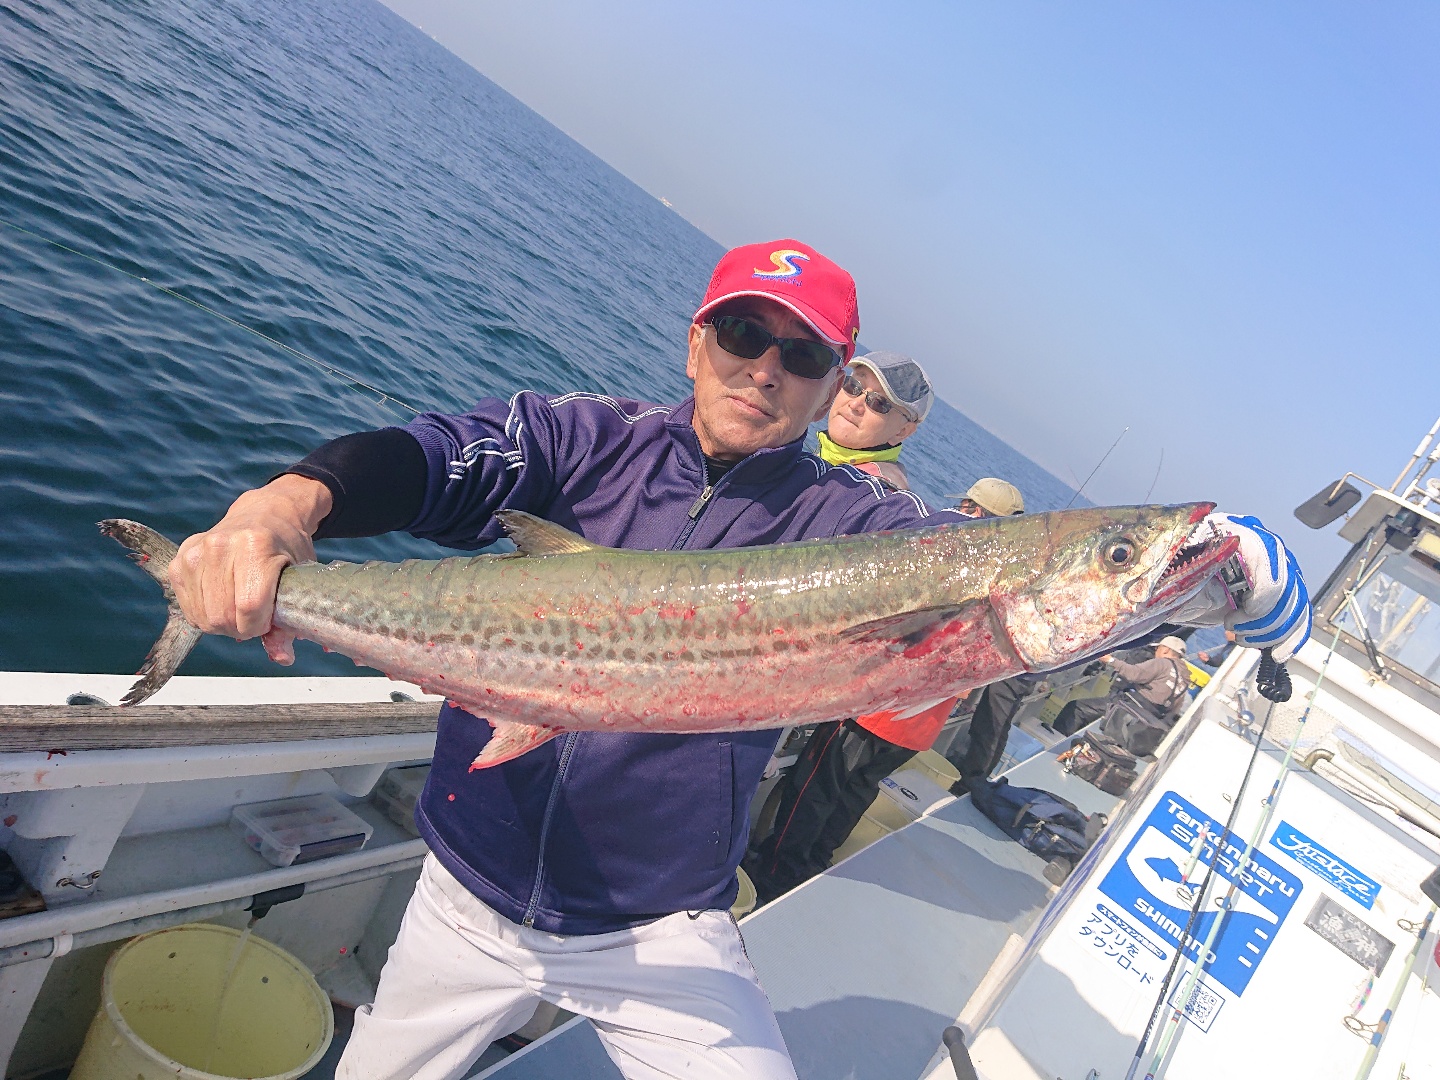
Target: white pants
x=676, y=997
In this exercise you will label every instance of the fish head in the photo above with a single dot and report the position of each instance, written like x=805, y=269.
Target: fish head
x=1079, y=580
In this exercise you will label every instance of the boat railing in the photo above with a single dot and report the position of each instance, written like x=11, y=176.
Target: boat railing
x=54, y=728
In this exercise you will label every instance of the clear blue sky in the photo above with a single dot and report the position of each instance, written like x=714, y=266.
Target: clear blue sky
x=1217, y=224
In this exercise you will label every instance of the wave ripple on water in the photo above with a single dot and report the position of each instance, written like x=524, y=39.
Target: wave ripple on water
x=327, y=174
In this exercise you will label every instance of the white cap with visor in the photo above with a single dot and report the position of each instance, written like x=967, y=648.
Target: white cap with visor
x=902, y=380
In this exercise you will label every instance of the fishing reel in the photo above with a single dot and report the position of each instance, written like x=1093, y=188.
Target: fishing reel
x=1237, y=584
x=1271, y=679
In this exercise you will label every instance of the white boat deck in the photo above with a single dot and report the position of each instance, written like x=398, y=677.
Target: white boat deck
x=154, y=824
x=868, y=963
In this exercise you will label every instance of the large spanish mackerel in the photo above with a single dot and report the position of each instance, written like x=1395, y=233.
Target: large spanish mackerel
x=563, y=635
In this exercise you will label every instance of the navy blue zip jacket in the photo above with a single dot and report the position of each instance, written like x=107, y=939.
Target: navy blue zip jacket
x=600, y=831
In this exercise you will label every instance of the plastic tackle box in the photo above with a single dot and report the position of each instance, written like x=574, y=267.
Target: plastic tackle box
x=287, y=831
x=398, y=791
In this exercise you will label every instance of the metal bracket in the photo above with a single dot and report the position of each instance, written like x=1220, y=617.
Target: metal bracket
x=89, y=881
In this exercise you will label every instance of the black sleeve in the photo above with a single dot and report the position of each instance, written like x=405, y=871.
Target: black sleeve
x=377, y=479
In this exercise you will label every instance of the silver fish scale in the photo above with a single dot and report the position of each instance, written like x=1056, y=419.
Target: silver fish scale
x=615, y=638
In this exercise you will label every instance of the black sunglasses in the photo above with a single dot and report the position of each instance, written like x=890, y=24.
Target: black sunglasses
x=874, y=400
x=799, y=356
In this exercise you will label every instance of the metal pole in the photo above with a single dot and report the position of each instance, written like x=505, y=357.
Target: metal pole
x=1416, y=485
x=1419, y=453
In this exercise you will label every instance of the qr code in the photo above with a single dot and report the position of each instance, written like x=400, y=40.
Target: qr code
x=1202, y=1007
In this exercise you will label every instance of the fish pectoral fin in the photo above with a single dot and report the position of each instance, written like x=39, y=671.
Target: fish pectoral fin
x=536, y=536
x=907, y=629
x=510, y=740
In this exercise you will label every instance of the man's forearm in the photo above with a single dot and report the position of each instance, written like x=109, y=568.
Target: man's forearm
x=375, y=481
x=301, y=500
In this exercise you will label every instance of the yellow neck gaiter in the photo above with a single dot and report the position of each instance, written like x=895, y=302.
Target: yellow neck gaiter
x=832, y=453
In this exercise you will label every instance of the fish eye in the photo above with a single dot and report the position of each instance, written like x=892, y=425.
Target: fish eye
x=1118, y=554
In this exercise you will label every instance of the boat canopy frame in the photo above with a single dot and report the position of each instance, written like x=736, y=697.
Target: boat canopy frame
x=1402, y=550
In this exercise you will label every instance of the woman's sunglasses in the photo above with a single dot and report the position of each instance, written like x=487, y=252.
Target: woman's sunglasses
x=799, y=356
x=874, y=400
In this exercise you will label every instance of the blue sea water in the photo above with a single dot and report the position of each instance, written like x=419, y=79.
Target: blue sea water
x=326, y=174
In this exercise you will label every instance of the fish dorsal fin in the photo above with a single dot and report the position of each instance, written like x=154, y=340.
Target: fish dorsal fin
x=535, y=536
x=906, y=629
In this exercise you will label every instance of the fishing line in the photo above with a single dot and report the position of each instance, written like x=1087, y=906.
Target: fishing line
x=1156, y=478
x=385, y=397
x=1096, y=468
x=1169, y=1037
x=1187, y=935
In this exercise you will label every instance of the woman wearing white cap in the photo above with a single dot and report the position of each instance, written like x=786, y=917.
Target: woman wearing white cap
x=883, y=398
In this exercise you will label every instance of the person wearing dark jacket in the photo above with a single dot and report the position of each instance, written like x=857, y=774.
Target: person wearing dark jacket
x=596, y=871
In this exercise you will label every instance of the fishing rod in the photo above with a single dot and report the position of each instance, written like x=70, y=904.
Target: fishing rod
x=1382, y=1026
x=354, y=382
x=1187, y=936
x=1156, y=478
x=1097, y=468
x=1167, y=1040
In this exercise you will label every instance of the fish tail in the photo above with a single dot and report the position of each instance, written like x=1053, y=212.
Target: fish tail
x=165, y=656
x=153, y=553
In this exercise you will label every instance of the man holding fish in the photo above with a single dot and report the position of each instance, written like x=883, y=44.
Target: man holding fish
x=593, y=868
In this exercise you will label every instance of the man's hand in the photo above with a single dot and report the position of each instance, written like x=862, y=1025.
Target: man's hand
x=225, y=579
x=1276, y=615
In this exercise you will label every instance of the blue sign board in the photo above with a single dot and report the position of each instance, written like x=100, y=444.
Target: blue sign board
x=1326, y=865
x=1150, y=885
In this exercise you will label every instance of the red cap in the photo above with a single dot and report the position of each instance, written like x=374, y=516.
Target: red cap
x=795, y=275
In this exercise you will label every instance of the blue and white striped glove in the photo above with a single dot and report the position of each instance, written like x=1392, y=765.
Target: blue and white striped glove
x=1276, y=615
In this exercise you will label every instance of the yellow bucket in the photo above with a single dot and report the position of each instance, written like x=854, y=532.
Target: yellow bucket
x=745, y=899
x=867, y=830
x=160, y=1011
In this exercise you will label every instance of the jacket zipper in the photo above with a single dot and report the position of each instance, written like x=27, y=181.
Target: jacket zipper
x=534, y=904
x=696, y=509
